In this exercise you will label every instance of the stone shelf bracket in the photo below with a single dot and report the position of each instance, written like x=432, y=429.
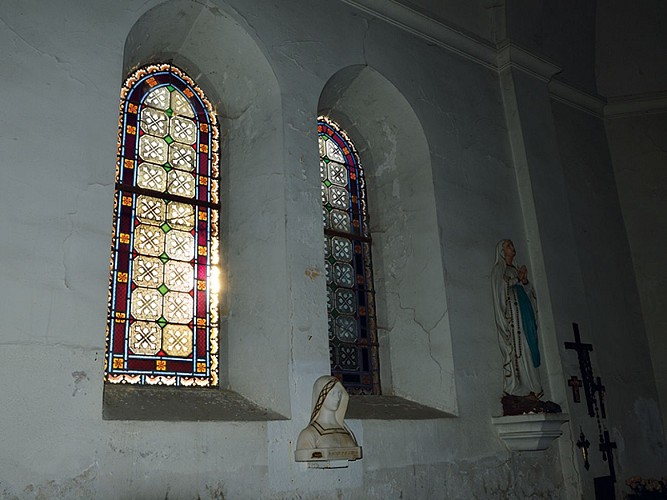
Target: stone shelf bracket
x=529, y=432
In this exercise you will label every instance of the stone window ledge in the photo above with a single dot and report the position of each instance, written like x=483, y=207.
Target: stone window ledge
x=128, y=402
x=390, y=408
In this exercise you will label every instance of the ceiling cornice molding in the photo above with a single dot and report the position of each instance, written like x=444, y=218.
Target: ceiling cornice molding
x=583, y=101
x=430, y=30
x=636, y=105
x=510, y=55
x=506, y=55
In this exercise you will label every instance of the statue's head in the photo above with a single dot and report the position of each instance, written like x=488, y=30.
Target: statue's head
x=505, y=251
x=329, y=395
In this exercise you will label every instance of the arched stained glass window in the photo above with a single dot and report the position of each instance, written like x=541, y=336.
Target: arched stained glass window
x=353, y=347
x=163, y=295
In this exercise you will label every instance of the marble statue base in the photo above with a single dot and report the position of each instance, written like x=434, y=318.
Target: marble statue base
x=328, y=454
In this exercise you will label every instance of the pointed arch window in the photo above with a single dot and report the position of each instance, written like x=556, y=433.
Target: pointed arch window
x=353, y=346
x=163, y=296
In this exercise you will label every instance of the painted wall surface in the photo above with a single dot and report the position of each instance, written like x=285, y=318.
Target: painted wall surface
x=265, y=65
x=617, y=328
x=637, y=145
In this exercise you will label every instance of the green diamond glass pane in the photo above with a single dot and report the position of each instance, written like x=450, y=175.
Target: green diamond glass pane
x=163, y=289
x=164, y=257
x=167, y=167
x=168, y=139
x=162, y=322
x=170, y=112
x=165, y=227
x=170, y=88
x=327, y=183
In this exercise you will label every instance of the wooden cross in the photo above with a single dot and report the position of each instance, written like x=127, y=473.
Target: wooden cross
x=575, y=383
x=599, y=388
x=583, y=351
x=606, y=447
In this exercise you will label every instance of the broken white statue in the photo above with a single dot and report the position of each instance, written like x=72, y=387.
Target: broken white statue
x=327, y=442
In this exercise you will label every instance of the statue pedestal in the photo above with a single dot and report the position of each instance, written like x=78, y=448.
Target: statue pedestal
x=328, y=458
x=529, y=432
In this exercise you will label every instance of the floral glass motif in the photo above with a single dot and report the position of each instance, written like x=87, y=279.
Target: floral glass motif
x=163, y=294
x=353, y=348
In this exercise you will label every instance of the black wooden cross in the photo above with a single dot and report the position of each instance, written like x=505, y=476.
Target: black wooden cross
x=583, y=351
x=575, y=383
x=606, y=447
x=599, y=388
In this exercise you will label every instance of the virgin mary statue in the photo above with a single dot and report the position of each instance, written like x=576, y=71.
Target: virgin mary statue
x=516, y=321
x=327, y=437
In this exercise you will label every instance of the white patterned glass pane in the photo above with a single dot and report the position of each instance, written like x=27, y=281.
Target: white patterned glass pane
x=178, y=307
x=340, y=221
x=327, y=267
x=337, y=174
x=181, y=183
x=149, y=240
x=342, y=249
x=345, y=301
x=145, y=338
x=154, y=122
x=348, y=357
x=322, y=146
x=180, y=245
x=153, y=149
x=183, y=130
x=180, y=215
x=158, y=98
x=178, y=276
x=151, y=176
x=177, y=340
x=343, y=274
x=338, y=197
x=150, y=210
x=180, y=105
x=346, y=328
x=323, y=170
x=146, y=303
x=147, y=271
x=334, y=152
x=181, y=156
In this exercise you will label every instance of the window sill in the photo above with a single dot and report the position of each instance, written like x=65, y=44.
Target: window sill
x=176, y=404
x=390, y=408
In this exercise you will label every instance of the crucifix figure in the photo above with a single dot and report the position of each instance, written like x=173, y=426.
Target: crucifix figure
x=583, y=351
x=599, y=388
x=606, y=447
x=575, y=383
x=583, y=445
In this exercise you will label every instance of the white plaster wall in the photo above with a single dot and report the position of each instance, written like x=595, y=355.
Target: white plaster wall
x=617, y=329
x=637, y=145
x=61, y=77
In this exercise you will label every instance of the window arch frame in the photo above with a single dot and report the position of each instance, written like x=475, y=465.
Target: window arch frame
x=122, y=365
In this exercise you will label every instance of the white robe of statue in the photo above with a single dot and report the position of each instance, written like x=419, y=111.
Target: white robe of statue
x=516, y=322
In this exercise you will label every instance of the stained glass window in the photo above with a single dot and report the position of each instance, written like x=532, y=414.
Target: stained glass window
x=353, y=348
x=163, y=295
